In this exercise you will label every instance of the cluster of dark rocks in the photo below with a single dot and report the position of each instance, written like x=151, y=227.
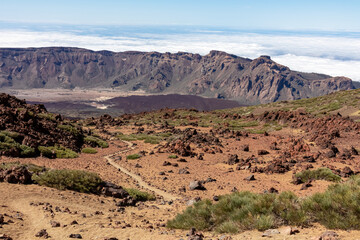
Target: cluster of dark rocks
x=35, y=126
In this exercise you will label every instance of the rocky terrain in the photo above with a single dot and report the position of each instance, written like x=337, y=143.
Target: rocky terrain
x=191, y=158
x=217, y=74
x=32, y=126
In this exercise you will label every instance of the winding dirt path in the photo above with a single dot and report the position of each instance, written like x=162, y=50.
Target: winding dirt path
x=166, y=196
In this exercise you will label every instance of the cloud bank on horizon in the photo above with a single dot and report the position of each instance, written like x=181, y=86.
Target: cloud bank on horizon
x=332, y=54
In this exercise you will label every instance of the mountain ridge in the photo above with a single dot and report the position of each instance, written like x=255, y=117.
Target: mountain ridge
x=217, y=74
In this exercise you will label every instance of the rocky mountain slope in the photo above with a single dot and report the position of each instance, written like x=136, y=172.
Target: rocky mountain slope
x=217, y=74
x=25, y=127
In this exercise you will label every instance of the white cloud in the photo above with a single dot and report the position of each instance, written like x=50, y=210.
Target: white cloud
x=333, y=55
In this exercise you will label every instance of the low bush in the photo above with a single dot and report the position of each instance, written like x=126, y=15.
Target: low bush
x=172, y=156
x=57, y=151
x=336, y=208
x=71, y=129
x=89, y=150
x=9, y=142
x=140, y=195
x=242, y=211
x=318, y=174
x=27, y=151
x=31, y=167
x=133, y=156
x=96, y=142
x=80, y=181
x=48, y=116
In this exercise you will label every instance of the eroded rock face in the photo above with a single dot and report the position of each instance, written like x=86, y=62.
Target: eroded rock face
x=221, y=74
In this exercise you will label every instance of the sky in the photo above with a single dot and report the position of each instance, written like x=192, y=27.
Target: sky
x=306, y=35
x=245, y=14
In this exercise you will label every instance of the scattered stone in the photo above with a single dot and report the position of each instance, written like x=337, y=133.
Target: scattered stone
x=76, y=235
x=270, y=233
x=182, y=160
x=193, y=235
x=196, y=185
x=296, y=180
x=271, y=190
x=245, y=148
x=346, y=172
x=42, y=233
x=250, y=178
x=5, y=237
x=306, y=185
x=166, y=163
x=329, y=235
x=183, y=171
x=232, y=159
x=288, y=230
x=54, y=224
x=216, y=198
x=262, y=152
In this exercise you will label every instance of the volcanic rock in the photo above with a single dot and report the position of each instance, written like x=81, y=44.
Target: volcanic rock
x=196, y=185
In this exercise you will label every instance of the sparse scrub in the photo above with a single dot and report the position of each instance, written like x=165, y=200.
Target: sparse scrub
x=147, y=138
x=140, y=195
x=58, y=151
x=31, y=167
x=71, y=129
x=9, y=142
x=96, y=142
x=242, y=211
x=318, y=174
x=89, y=150
x=338, y=206
x=48, y=116
x=80, y=181
x=172, y=156
x=133, y=156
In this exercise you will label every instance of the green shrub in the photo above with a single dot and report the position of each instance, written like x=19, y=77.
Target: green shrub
x=27, y=151
x=199, y=216
x=140, y=195
x=48, y=116
x=8, y=141
x=58, y=151
x=242, y=211
x=80, y=181
x=96, y=142
x=133, y=156
x=46, y=152
x=89, y=150
x=31, y=167
x=173, y=156
x=14, y=135
x=71, y=129
x=338, y=207
x=318, y=174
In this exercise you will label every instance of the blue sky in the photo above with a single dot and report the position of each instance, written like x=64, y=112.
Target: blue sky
x=307, y=35
x=334, y=15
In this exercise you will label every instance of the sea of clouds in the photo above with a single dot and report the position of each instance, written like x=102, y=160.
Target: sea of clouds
x=336, y=54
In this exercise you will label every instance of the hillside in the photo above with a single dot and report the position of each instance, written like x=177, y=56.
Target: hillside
x=217, y=74
x=204, y=168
